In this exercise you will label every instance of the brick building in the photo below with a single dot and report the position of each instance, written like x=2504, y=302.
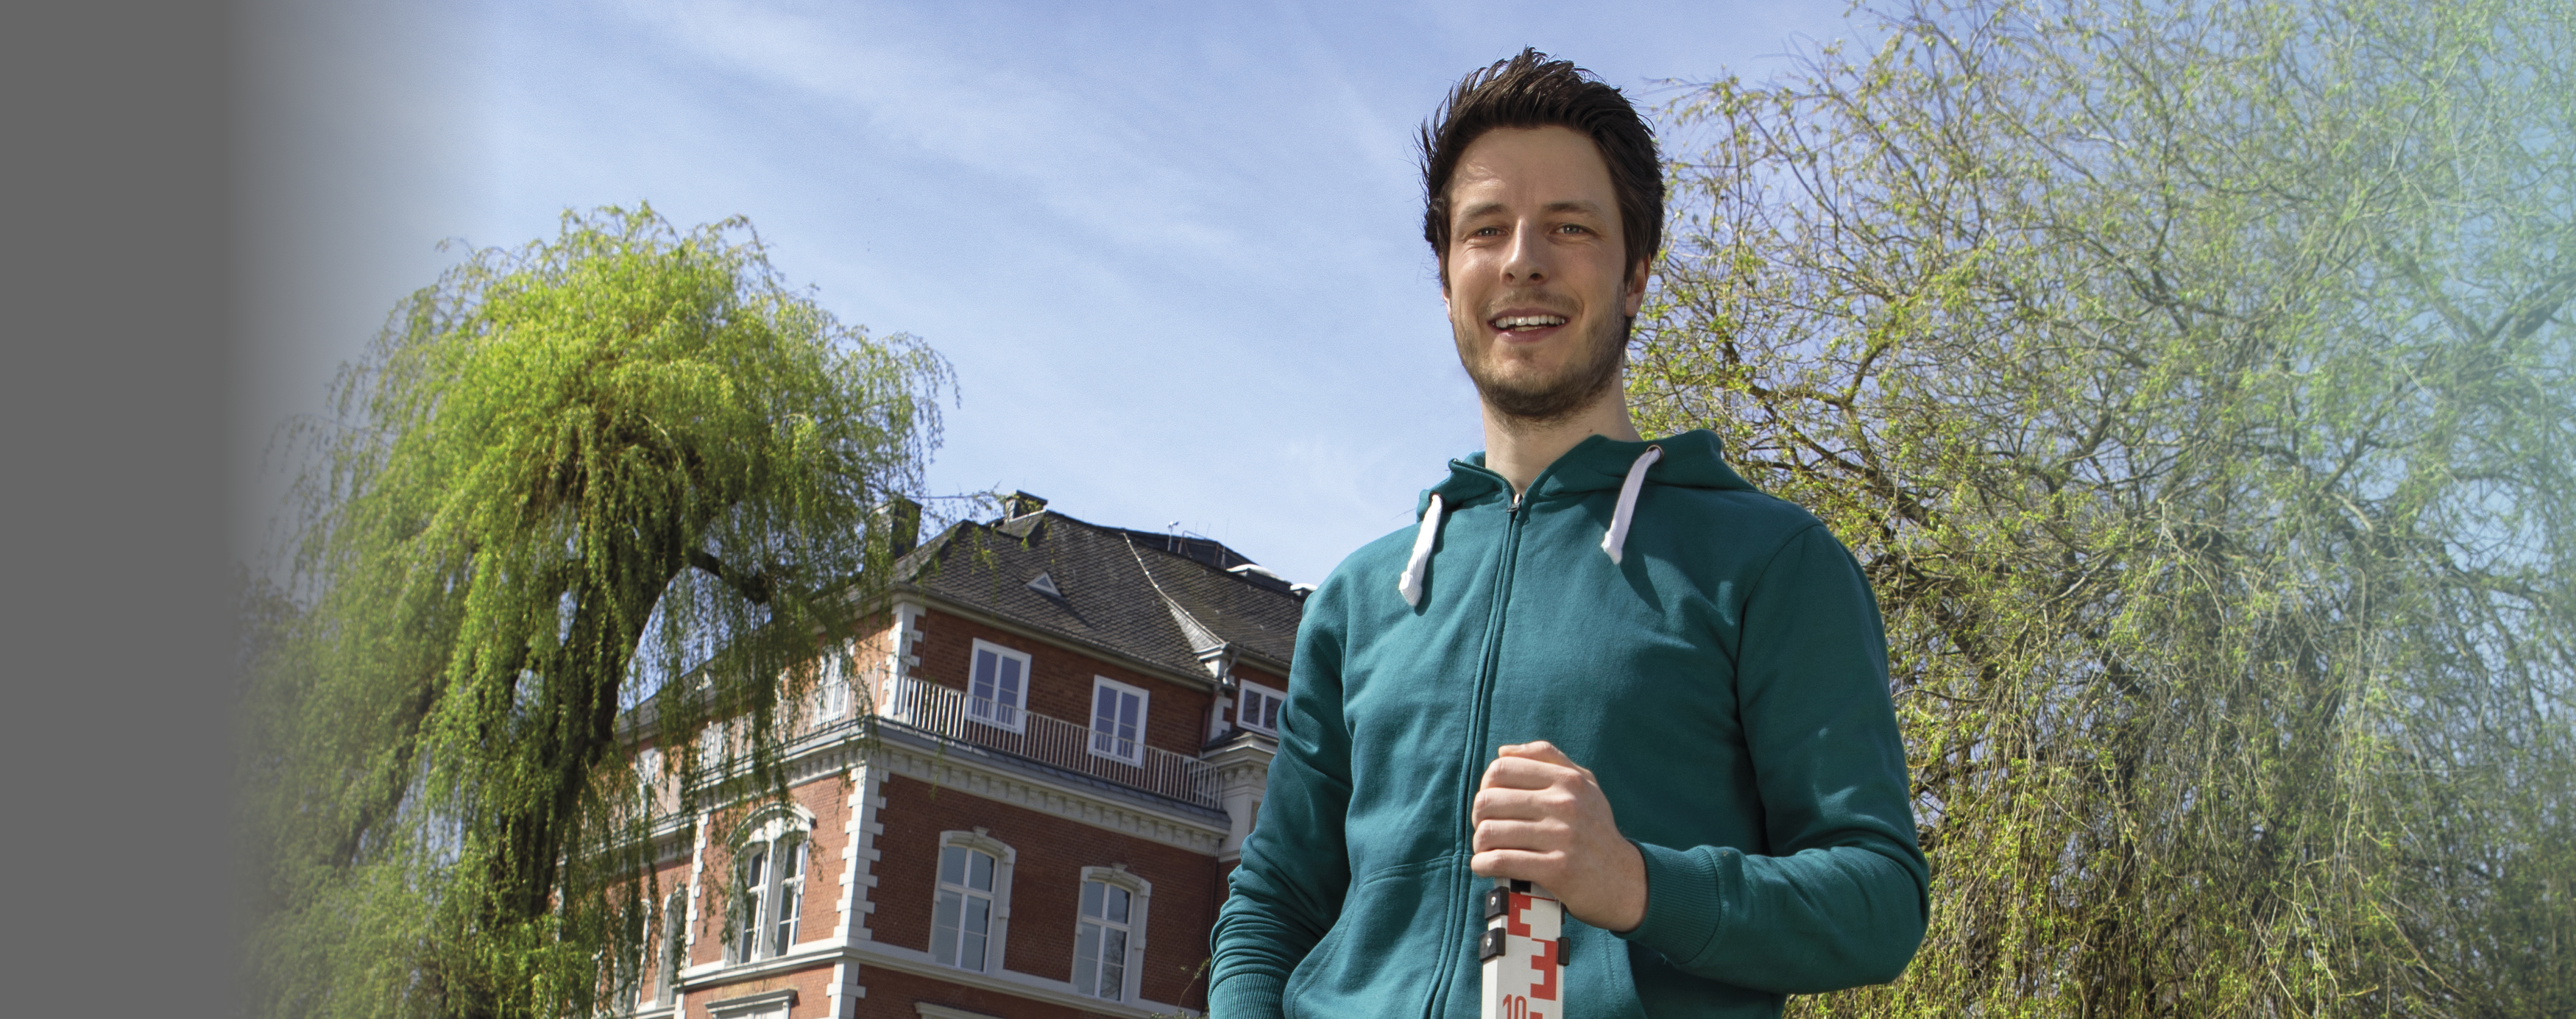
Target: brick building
x=1071, y=728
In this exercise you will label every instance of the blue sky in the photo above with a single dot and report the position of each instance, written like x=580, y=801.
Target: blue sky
x=1172, y=250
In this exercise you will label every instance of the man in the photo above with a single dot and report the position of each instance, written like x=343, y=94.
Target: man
x=1607, y=667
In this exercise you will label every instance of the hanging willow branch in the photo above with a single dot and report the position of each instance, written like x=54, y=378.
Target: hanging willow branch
x=560, y=477
x=2197, y=382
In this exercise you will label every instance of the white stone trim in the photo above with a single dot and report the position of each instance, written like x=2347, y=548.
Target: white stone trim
x=803, y=955
x=967, y=770
x=927, y=1010
x=1011, y=982
x=1243, y=774
x=774, y=821
x=860, y=954
x=902, y=656
x=859, y=852
x=753, y=1005
x=994, y=782
x=689, y=930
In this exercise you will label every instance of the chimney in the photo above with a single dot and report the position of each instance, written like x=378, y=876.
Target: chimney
x=901, y=518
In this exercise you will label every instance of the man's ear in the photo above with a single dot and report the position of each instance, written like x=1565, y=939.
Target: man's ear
x=1632, y=296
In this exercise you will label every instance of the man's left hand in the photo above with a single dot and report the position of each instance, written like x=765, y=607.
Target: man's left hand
x=1540, y=817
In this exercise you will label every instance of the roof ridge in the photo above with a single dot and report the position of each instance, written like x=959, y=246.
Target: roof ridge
x=1201, y=638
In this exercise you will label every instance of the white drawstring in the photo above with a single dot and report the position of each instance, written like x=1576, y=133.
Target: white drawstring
x=1616, y=539
x=1410, y=584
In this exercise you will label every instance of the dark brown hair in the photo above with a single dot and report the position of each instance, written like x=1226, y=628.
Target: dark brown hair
x=1531, y=90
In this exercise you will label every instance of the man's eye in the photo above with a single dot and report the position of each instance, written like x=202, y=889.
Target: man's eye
x=1573, y=228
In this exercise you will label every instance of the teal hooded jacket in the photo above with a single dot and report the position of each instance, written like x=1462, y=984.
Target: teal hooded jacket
x=1719, y=666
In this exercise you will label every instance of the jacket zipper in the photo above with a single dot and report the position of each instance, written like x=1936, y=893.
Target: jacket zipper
x=1480, y=717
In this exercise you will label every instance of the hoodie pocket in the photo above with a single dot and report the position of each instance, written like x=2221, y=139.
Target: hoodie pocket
x=1382, y=957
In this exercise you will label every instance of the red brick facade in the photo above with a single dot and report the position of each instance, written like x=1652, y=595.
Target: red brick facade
x=873, y=817
x=1060, y=681
x=1050, y=853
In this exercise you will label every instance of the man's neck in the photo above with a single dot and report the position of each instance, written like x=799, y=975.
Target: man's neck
x=1519, y=449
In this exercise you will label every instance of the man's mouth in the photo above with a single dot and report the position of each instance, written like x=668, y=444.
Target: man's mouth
x=1525, y=323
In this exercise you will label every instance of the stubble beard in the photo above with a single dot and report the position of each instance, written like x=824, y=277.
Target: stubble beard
x=1530, y=404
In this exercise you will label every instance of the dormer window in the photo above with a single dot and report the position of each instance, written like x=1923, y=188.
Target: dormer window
x=1257, y=708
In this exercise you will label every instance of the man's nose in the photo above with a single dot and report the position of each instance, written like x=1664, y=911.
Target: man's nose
x=1526, y=262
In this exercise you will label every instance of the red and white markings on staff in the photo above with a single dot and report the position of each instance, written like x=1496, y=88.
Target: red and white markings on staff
x=1524, y=969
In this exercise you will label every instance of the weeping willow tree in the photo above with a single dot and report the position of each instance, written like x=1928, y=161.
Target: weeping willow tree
x=558, y=478
x=2193, y=379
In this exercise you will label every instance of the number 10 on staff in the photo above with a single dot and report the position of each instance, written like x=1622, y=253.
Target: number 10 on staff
x=1523, y=968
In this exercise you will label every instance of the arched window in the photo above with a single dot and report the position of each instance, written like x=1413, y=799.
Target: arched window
x=667, y=950
x=1109, y=935
x=972, y=907
x=769, y=883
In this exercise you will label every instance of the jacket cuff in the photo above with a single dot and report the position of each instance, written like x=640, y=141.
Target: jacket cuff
x=1247, y=996
x=1683, y=909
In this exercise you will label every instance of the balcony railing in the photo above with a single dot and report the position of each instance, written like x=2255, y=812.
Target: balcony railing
x=1054, y=742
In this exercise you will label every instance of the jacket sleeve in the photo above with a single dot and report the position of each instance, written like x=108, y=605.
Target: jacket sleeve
x=1288, y=888
x=1840, y=897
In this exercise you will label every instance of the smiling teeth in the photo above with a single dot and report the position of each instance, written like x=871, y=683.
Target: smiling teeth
x=1529, y=321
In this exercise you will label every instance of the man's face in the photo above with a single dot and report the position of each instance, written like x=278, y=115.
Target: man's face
x=1538, y=292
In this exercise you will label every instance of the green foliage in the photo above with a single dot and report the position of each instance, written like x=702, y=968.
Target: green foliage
x=2193, y=380
x=558, y=478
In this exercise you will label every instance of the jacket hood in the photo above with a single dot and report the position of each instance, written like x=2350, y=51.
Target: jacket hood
x=1692, y=459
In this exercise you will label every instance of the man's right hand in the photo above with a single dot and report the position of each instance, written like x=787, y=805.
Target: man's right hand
x=1542, y=818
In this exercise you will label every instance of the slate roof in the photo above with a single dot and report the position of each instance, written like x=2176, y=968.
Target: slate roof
x=1144, y=595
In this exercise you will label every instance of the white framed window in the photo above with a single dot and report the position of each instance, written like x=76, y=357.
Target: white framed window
x=997, y=688
x=648, y=779
x=769, y=890
x=666, y=955
x=832, y=692
x=1117, y=720
x=1257, y=707
x=1109, y=935
x=972, y=908
x=786, y=903
x=711, y=746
